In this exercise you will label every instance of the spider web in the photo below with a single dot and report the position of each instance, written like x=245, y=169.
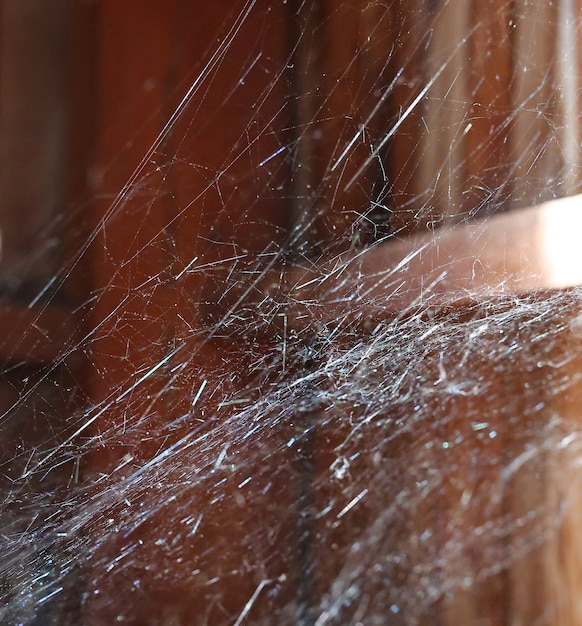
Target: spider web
x=241, y=455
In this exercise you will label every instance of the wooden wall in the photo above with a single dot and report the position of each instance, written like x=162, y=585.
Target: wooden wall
x=189, y=143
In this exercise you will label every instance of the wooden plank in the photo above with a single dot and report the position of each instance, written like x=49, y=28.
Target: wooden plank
x=441, y=176
x=343, y=85
x=403, y=160
x=514, y=253
x=35, y=53
x=487, y=184
x=188, y=177
x=81, y=139
x=535, y=148
x=567, y=76
x=451, y=110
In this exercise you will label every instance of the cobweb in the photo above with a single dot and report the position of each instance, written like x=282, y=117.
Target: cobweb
x=247, y=452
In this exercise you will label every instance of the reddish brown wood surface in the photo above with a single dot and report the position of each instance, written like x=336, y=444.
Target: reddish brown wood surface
x=191, y=112
x=208, y=188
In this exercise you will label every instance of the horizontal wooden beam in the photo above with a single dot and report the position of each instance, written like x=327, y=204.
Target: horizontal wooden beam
x=514, y=253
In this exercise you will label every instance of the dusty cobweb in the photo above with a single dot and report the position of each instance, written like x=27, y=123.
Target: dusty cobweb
x=253, y=459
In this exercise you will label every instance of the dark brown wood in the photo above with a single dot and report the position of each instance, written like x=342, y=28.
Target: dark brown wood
x=342, y=91
x=403, y=162
x=74, y=268
x=35, y=113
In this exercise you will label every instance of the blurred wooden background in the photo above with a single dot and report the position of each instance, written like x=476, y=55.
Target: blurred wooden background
x=137, y=137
